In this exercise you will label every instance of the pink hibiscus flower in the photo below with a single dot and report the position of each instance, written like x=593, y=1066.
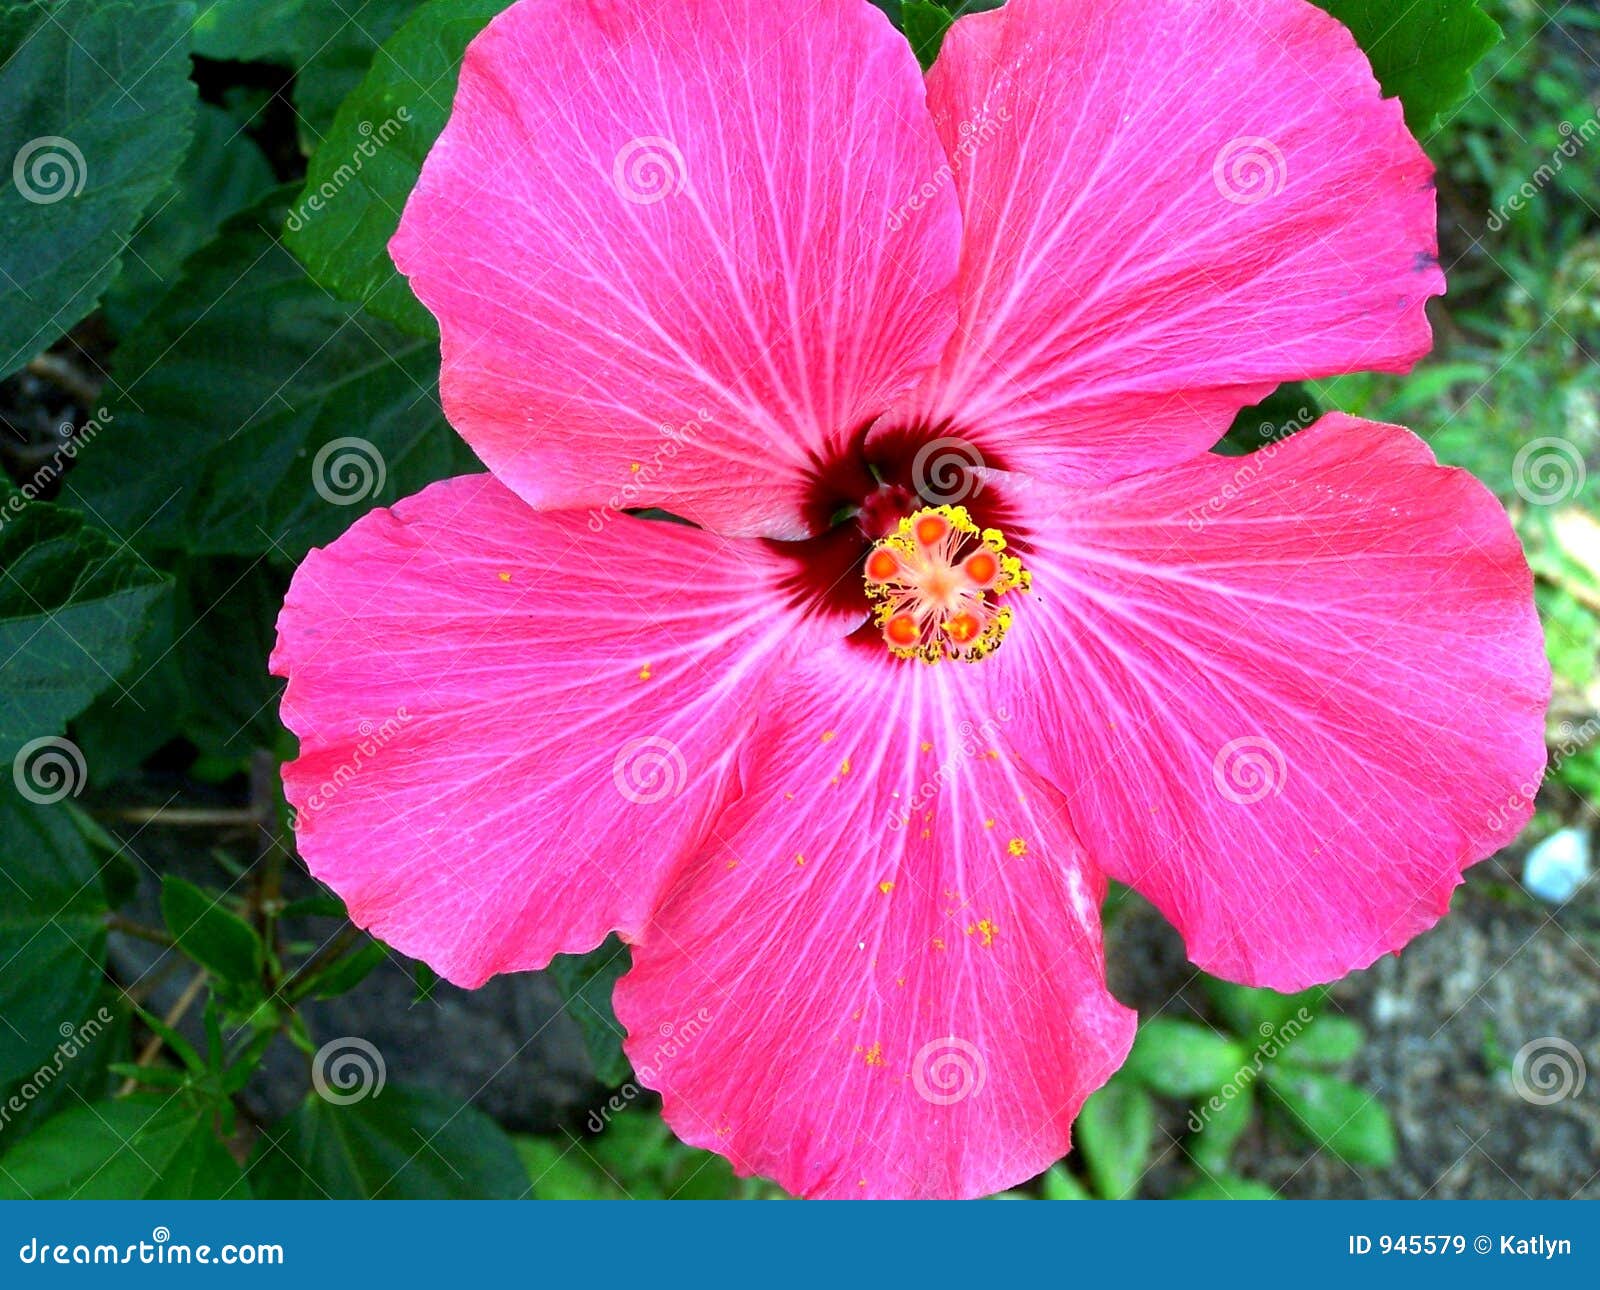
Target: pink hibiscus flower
x=968, y=619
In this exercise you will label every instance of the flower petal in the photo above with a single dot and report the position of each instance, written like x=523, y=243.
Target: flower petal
x=1168, y=210
x=513, y=724
x=656, y=238
x=885, y=979
x=1289, y=697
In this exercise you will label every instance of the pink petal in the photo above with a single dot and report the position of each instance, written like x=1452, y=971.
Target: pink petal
x=513, y=725
x=1168, y=210
x=656, y=237
x=866, y=988
x=1289, y=697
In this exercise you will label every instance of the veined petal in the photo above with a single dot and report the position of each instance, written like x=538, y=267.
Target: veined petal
x=1168, y=209
x=657, y=238
x=513, y=724
x=884, y=978
x=1290, y=697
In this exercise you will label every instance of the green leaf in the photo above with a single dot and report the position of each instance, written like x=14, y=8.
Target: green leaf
x=216, y=938
x=1330, y=1041
x=586, y=982
x=97, y=106
x=399, y=1144
x=254, y=413
x=365, y=169
x=52, y=934
x=1115, y=1131
x=72, y=606
x=223, y=173
x=1422, y=52
x=346, y=972
x=1348, y=1121
x=1058, y=1184
x=252, y=30
x=1225, y=1187
x=1222, y=1119
x=345, y=45
x=1256, y=1015
x=145, y=1147
x=1181, y=1059
x=925, y=26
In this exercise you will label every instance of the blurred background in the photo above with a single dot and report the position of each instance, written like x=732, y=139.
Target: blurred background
x=275, y=1051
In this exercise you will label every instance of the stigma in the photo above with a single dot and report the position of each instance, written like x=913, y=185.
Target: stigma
x=935, y=583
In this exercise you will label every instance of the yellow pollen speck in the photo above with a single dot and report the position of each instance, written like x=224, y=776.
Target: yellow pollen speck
x=505, y=577
x=844, y=766
x=644, y=672
x=798, y=858
x=634, y=467
x=1017, y=847
x=886, y=887
x=829, y=735
x=732, y=864
x=926, y=746
x=988, y=824
x=875, y=1055
x=938, y=943
x=986, y=928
